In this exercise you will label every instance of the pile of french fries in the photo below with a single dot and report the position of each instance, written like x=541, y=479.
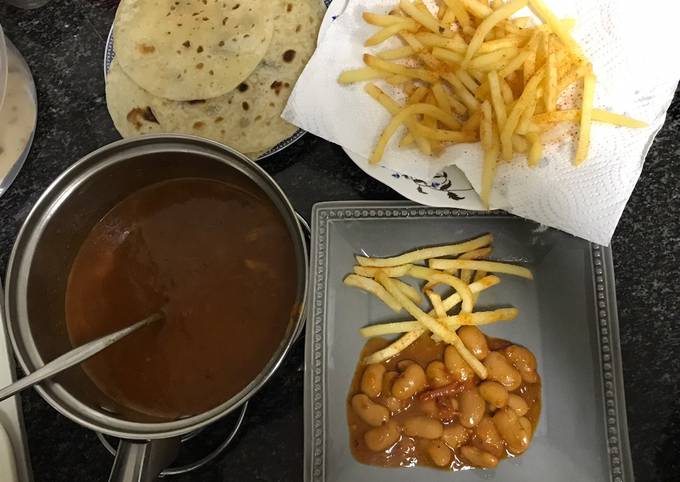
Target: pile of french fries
x=473, y=72
x=468, y=275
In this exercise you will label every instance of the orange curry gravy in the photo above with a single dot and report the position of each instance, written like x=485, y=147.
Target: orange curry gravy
x=408, y=451
x=217, y=259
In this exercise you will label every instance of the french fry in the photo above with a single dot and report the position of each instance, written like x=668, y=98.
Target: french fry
x=467, y=80
x=426, y=57
x=386, y=66
x=550, y=87
x=586, y=118
x=499, y=44
x=449, y=17
x=408, y=290
x=431, y=324
x=430, y=124
x=437, y=305
x=490, y=22
x=455, y=44
x=427, y=253
x=497, y=99
x=447, y=55
x=465, y=96
x=486, y=125
x=489, y=169
x=395, y=347
x=513, y=118
x=530, y=61
x=442, y=97
x=389, y=32
x=360, y=75
x=446, y=135
x=381, y=20
x=525, y=119
x=423, y=272
x=427, y=20
x=519, y=144
x=462, y=15
x=479, y=275
x=479, y=317
x=515, y=64
x=390, y=328
x=396, y=79
x=418, y=95
x=541, y=11
x=506, y=90
x=535, y=149
x=466, y=274
x=404, y=114
x=490, y=266
x=398, y=53
x=393, y=108
x=598, y=115
x=477, y=8
x=493, y=60
x=392, y=272
x=457, y=284
x=472, y=124
x=370, y=285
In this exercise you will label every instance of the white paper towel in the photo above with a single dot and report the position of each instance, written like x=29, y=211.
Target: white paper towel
x=630, y=46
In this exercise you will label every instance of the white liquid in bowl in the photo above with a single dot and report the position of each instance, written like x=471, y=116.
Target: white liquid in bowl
x=17, y=113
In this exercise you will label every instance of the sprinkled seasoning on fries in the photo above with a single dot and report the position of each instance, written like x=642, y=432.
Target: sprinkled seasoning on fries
x=472, y=71
x=383, y=278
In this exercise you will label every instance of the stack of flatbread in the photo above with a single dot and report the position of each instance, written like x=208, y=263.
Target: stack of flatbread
x=220, y=69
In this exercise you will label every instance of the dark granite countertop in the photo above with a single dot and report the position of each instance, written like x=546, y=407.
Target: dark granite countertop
x=63, y=44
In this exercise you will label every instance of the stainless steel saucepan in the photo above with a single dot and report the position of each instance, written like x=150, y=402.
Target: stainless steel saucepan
x=41, y=260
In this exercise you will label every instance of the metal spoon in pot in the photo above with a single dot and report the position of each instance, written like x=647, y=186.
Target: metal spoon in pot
x=73, y=357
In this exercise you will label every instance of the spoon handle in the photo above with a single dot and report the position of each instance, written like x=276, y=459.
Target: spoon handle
x=73, y=357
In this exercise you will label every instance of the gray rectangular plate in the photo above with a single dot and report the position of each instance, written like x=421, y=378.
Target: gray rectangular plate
x=567, y=318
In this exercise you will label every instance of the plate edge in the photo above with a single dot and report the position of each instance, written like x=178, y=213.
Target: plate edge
x=611, y=369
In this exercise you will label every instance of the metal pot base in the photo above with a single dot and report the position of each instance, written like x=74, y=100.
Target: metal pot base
x=184, y=469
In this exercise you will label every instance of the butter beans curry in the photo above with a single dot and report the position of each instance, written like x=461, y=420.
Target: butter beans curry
x=426, y=406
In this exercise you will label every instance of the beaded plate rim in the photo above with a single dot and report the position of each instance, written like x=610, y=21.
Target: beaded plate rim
x=601, y=265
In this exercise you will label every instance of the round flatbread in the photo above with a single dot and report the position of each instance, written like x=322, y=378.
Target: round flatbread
x=249, y=118
x=129, y=105
x=191, y=49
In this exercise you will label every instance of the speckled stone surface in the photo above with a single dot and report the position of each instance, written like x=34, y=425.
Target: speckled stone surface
x=63, y=43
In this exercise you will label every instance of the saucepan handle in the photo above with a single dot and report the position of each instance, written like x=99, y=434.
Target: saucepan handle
x=143, y=461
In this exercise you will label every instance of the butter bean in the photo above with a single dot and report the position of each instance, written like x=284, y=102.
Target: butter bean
x=439, y=453
x=508, y=425
x=456, y=365
x=383, y=437
x=423, y=427
x=455, y=435
x=492, y=441
x=475, y=341
x=524, y=361
x=478, y=458
x=437, y=375
x=472, y=407
x=410, y=382
x=501, y=371
x=518, y=404
x=494, y=393
x=370, y=412
x=372, y=379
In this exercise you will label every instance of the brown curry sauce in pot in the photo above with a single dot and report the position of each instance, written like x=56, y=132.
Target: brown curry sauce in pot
x=218, y=260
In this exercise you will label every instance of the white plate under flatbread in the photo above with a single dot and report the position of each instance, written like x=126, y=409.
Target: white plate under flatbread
x=249, y=117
